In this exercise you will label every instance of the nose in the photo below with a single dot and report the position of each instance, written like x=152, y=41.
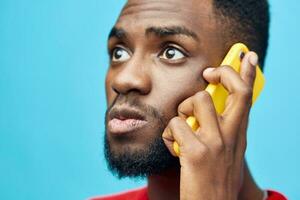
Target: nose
x=134, y=76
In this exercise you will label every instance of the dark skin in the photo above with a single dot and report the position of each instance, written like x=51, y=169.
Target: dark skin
x=163, y=49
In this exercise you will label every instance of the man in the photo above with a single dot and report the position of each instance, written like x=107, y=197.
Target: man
x=162, y=56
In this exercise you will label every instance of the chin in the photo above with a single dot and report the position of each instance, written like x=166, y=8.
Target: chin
x=134, y=141
x=138, y=154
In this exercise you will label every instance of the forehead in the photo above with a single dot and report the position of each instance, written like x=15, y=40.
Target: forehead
x=193, y=14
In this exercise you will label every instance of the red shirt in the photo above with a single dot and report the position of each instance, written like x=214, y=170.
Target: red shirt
x=141, y=194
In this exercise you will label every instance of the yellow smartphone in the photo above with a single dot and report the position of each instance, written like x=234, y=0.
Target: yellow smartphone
x=219, y=94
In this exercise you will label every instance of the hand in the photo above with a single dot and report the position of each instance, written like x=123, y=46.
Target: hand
x=212, y=158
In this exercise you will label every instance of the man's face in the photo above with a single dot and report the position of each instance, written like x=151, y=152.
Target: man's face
x=158, y=50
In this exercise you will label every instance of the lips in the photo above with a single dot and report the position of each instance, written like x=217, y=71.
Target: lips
x=125, y=120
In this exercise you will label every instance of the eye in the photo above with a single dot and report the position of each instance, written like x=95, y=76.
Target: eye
x=119, y=54
x=172, y=53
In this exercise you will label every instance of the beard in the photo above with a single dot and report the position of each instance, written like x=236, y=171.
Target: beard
x=153, y=159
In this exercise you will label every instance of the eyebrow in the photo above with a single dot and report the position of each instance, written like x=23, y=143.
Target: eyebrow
x=161, y=32
x=171, y=31
x=118, y=33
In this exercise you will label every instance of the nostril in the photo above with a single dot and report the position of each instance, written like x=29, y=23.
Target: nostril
x=131, y=79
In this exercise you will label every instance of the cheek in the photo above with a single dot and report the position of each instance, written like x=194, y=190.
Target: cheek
x=110, y=94
x=176, y=85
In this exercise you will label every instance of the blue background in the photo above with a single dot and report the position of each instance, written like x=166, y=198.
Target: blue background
x=52, y=102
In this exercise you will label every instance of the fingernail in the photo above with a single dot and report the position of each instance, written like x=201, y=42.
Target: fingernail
x=253, y=60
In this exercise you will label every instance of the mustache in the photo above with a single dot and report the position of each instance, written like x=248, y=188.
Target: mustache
x=135, y=103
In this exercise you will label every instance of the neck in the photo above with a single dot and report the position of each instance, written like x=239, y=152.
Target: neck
x=166, y=186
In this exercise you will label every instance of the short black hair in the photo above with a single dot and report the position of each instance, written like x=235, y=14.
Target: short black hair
x=246, y=21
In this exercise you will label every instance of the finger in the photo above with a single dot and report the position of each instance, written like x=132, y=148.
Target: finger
x=241, y=144
x=242, y=138
x=202, y=108
x=248, y=74
x=248, y=68
x=240, y=94
x=178, y=130
x=225, y=75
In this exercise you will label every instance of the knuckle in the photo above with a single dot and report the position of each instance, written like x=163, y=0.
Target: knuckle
x=230, y=145
x=245, y=92
x=174, y=121
x=229, y=148
x=181, y=108
x=219, y=146
x=202, y=96
x=251, y=73
x=185, y=108
x=228, y=151
x=199, y=153
x=225, y=68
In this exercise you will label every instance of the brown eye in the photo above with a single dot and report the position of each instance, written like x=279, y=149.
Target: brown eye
x=172, y=53
x=119, y=54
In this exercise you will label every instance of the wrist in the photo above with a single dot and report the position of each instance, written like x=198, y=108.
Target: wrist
x=208, y=186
